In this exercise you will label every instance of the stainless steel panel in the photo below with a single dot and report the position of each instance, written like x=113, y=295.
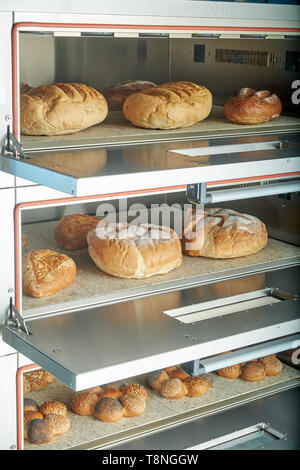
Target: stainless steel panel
x=95, y=346
x=83, y=172
x=198, y=434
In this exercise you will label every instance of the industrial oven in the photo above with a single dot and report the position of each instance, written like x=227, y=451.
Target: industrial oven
x=207, y=313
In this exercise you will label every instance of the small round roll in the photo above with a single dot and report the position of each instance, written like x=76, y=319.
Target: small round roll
x=253, y=371
x=110, y=392
x=83, y=403
x=179, y=373
x=272, y=365
x=117, y=385
x=230, y=372
x=59, y=423
x=135, y=389
x=156, y=378
x=173, y=388
x=133, y=405
x=30, y=405
x=196, y=386
x=53, y=407
x=108, y=410
x=28, y=417
x=39, y=432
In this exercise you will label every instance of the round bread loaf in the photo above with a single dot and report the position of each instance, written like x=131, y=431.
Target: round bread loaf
x=222, y=233
x=168, y=106
x=110, y=392
x=135, y=389
x=83, y=403
x=28, y=417
x=134, y=251
x=179, y=373
x=108, y=410
x=53, y=407
x=196, y=386
x=46, y=272
x=230, y=372
x=249, y=106
x=117, y=94
x=39, y=432
x=156, y=378
x=253, y=371
x=133, y=405
x=37, y=380
x=272, y=365
x=71, y=231
x=173, y=388
x=59, y=423
x=30, y=405
x=61, y=108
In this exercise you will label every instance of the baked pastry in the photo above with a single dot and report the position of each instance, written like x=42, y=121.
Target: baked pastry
x=168, y=106
x=37, y=380
x=30, y=405
x=179, y=373
x=134, y=251
x=156, y=378
x=196, y=386
x=230, y=372
x=108, y=410
x=61, y=108
x=98, y=389
x=117, y=94
x=173, y=388
x=59, y=423
x=70, y=232
x=46, y=272
x=135, y=389
x=110, y=392
x=222, y=233
x=29, y=416
x=133, y=405
x=253, y=371
x=83, y=403
x=39, y=432
x=248, y=106
x=117, y=385
x=272, y=365
x=53, y=407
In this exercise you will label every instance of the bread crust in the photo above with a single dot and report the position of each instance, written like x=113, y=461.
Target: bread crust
x=249, y=106
x=253, y=371
x=71, y=230
x=37, y=380
x=61, y=108
x=230, y=372
x=83, y=403
x=46, y=272
x=135, y=389
x=108, y=410
x=130, y=251
x=133, y=405
x=39, y=432
x=117, y=94
x=53, y=407
x=222, y=233
x=173, y=388
x=59, y=423
x=156, y=378
x=196, y=386
x=272, y=365
x=168, y=106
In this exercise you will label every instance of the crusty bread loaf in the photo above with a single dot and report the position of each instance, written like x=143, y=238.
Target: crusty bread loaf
x=248, y=106
x=37, y=380
x=117, y=94
x=134, y=251
x=46, y=272
x=61, y=108
x=71, y=230
x=168, y=106
x=222, y=233
x=53, y=407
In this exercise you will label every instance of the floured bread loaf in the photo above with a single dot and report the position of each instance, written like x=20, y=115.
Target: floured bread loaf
x=134, y=251
x=116, y=95
x=46, y=272
x=168, y=106
x=222, y=233
x=61, y=108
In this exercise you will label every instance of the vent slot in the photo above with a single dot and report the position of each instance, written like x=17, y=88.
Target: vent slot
x=235, y=56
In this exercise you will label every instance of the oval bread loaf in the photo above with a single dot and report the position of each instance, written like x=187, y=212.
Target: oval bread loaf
x=61, y=108
x=168, y=106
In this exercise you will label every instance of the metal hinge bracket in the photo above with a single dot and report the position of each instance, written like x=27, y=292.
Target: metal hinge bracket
x=11, y=145
x=16, y=318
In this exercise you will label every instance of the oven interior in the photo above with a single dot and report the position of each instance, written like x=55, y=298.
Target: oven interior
x=133, y=307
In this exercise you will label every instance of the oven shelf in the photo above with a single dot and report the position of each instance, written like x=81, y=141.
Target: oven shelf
x=89, y=347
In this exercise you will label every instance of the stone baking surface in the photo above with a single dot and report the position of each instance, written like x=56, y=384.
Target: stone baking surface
x=90, y=282
x=85, y=429
x=117, y=127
